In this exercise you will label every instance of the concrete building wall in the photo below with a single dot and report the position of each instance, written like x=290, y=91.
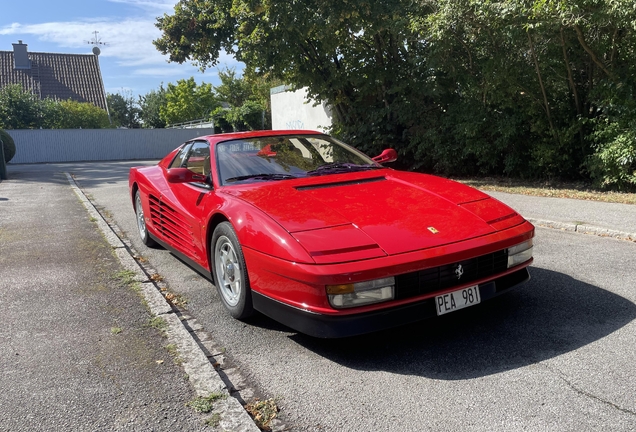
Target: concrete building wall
x=291, y=110
x=75, y=145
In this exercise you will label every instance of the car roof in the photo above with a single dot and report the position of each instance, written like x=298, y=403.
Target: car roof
x=213, y=139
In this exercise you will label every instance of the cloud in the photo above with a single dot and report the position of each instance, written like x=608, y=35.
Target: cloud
x=164, y=72
x=151, y=6
x=128, y=40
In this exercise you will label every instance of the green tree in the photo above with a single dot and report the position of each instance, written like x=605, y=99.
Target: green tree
x=556, y=71
x=123, y=109
x=261, y=85
x=361, y=57
x=541, y=88
x=233, y=90
x=19, y=109
x=248, y=116
x=247, y=100
x=187, y=101
x=150, y=105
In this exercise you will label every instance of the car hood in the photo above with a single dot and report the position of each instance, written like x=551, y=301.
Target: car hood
x=376, y=213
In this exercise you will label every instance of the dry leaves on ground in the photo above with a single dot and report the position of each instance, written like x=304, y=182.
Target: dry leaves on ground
x=263, y=412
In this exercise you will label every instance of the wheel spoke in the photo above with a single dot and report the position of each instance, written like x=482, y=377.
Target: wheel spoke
x=141, y=222
x=228, y=270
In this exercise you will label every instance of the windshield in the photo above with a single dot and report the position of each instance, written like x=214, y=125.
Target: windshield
x=286, y=157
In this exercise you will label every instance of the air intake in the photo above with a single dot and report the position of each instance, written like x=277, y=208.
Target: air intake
x=342, y=183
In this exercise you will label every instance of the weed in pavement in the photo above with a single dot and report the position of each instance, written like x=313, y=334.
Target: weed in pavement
x=205, y=404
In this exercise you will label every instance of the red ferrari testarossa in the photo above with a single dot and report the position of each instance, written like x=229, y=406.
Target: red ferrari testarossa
x=324, y=239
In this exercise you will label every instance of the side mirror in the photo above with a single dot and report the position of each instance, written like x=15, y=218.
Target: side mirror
x=184, y=175
x=388, y=155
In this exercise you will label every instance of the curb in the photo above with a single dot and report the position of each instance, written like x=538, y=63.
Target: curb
x=584, y=229
x=202, y=375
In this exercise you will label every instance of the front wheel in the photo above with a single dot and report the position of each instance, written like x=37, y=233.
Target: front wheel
x=141, y=222
x=230, y=272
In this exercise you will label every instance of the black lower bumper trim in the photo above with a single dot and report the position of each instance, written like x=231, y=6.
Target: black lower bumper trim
x=329, y=326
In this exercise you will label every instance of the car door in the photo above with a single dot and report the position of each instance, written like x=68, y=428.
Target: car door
x=191, y=203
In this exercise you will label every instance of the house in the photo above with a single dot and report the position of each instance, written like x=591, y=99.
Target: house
x=56, y=76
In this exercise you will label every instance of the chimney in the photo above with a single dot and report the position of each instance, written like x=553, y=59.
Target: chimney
x=20, y=56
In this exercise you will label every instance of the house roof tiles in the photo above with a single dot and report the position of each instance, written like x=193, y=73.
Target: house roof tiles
x=57, y=76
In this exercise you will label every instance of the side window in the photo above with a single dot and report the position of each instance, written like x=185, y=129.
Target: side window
x=180, y=157
x=198, y=159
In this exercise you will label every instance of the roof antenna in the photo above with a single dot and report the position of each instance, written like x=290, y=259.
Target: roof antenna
x=96, y=41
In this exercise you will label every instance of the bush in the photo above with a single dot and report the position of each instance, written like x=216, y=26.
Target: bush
x=70, y=114
x=248, y=116
x=8, y=146
x=613, y=165
x=221, y=125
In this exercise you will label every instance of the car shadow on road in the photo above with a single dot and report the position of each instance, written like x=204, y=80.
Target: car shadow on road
x=551, y=315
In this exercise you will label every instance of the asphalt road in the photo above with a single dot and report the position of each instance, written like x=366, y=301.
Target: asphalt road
x=556, y=354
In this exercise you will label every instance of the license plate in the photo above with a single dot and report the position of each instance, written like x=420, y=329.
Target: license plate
x=457, y=300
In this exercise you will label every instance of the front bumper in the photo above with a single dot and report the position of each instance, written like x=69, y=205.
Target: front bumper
x=337, y=326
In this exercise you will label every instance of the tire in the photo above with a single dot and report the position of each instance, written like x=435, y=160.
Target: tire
x=230, y=272
x=141, y=222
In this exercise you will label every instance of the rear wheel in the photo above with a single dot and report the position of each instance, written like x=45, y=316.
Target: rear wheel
x=141, y=222
x=230, y=272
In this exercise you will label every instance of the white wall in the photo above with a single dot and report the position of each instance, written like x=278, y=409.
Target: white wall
x=75, y=145
x=291, y=110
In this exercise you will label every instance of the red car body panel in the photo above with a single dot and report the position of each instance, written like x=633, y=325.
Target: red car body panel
x=302, y=234
x=305, y=284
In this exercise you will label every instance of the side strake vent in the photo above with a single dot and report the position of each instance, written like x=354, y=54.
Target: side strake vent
x=171, y=225
x=338, y=184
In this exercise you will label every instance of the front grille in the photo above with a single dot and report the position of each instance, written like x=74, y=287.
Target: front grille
x=446, y=276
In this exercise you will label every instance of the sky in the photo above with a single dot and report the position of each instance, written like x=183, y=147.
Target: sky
x=129, y=62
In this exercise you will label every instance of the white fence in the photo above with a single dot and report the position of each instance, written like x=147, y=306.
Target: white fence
x=76, y=145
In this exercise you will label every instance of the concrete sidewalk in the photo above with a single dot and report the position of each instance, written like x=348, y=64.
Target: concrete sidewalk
x=79, y=349
x=591, y=217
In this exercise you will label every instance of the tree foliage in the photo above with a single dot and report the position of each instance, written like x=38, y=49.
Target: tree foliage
x=541, y=88
x=124, y=110
x=19, y=109
x=244, y=107
x=150, y=105
x=187, y=101
x=233, y=90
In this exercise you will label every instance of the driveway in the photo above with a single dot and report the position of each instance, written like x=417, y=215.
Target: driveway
x=78, y=351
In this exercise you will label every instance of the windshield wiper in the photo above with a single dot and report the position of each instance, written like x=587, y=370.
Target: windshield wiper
x=262, y=176
x=340, y=167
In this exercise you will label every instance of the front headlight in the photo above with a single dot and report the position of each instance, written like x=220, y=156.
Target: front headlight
x=519, y=253
x=361, y=293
